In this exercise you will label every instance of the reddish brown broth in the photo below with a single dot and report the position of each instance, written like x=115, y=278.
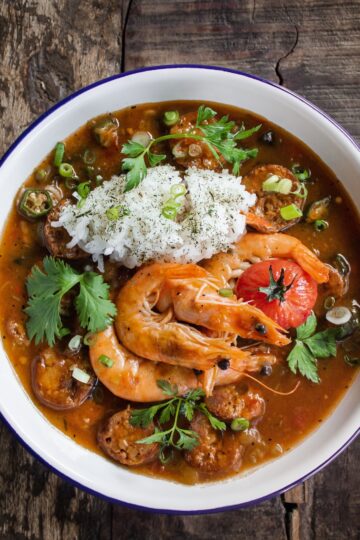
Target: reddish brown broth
x=287, y=419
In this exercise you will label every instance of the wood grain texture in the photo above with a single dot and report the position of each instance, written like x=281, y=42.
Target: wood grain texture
x=49, y=48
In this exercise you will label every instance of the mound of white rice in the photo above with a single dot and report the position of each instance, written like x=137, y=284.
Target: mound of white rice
x=208, y=222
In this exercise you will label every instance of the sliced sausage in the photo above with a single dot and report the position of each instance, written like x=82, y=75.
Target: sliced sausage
x=228, y=403
x=265, y=215
x=217, y=451
x=190, y=152
x=118, y=439
x=57, y=238
x=53, y=382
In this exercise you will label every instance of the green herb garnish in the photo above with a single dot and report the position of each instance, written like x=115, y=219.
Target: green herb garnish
x=218, y=135
x=46, y=290
x=171, y=411
x=309, y=346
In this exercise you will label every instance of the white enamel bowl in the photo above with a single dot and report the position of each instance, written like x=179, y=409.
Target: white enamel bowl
x=95, y=473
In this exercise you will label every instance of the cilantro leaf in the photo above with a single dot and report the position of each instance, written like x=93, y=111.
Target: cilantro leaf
x=307, y=329
x=156, y=437
x=154, y=159
x=215, y=422
x=204, y=113
x=245, y=133
x=302, y=359
x=167, y=388
x=218, y=135
x=322, y=344
x=133, y=149
x=137, y=170
x=175, y=407
x=46, y=290
x=187, y=440
x=93, y=306
x=144, y=417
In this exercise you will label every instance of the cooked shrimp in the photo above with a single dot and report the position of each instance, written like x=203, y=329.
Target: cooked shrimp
x=255, y=247
x=197, y=301
x=157, y=336
x=135, y=379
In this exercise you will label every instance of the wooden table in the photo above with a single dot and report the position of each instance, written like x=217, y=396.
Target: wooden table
x=48, y=49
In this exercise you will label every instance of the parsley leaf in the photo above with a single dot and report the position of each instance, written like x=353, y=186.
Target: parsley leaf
x=307, y=328
x=93, y=306
x=302, y=359
x=170, y=411
x=218, y=134
x=309, y=346
x=46, y=290
x=136, y=171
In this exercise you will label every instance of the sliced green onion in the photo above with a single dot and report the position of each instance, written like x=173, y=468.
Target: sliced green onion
x=177, y=190
x=290, y=212
x=116, y=212
x=169, y=212
x=74, y=343
x=81, y=375
x=83, y=189
x=320, y=225
x=88, y=339
x=106, y=361
x=170, y=118
x=66, y=170
x=301, y=191
x=278, y=185
x=226, y=293
x=98, y=179
x=89, y=157
x=80, y=203
x=240, y=424
x=329, y=302
x=300, y=173
x=59, y=153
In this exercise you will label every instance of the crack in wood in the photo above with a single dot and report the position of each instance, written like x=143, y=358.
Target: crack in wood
x=278, y=63
x=123, y=37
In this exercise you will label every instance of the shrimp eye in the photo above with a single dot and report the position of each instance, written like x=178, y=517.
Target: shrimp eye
x=261, y=328
x=224, y=364
x=198, y=371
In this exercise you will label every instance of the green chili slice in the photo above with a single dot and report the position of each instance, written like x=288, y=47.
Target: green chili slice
x=35, y=203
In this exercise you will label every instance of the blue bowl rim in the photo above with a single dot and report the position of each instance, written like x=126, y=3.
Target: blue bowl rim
x=7, y=154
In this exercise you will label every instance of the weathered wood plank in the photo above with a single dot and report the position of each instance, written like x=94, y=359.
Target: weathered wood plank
x=254, y=523
x=49, y=49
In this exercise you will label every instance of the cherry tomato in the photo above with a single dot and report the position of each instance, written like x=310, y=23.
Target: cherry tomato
x=281, y=289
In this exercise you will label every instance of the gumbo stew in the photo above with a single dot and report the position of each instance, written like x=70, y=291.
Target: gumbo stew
x=178, y=293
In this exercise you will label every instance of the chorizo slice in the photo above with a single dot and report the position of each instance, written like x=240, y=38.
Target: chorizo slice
x=53, y=382
x=118, y=439
x=57, y=238
x=228, y=403
x=217, y=451
x=265, y=216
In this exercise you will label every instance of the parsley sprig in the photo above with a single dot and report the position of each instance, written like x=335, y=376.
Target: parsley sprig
x=46, y=290
x=172, y=410
x=311, y=345
x=219, y=135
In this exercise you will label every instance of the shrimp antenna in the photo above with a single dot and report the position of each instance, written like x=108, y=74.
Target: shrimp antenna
x=277, y=392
